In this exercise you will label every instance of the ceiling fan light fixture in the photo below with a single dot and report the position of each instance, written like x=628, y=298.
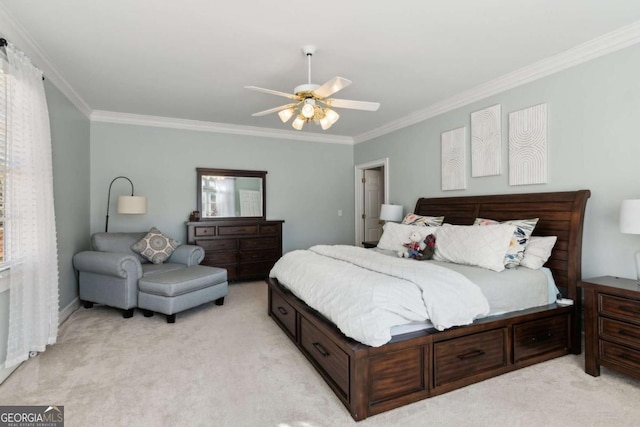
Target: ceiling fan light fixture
x=331, y=115
x=298, y=122
x=285, y=115
x=325, y=123
x=308, y=109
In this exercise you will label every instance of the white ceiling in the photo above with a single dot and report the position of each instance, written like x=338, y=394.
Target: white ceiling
x=190, y=59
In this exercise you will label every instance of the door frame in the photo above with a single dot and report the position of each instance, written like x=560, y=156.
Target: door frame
x=359, y=192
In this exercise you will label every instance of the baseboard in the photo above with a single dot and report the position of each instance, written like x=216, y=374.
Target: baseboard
x=70, y=308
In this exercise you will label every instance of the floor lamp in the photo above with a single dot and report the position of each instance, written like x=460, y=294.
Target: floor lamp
x=135, y=205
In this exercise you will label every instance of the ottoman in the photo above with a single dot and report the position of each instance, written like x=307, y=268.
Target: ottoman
x=178, y=290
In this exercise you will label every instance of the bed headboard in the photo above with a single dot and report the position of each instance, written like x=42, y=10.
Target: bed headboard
x=560, y=214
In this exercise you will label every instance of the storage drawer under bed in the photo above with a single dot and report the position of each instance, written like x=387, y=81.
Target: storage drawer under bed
x=462, y=357
x=330, y=358
x=539, y=337
x=284, y=312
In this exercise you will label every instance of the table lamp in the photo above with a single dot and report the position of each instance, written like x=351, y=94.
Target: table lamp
x=391, y=213
x=630, y=224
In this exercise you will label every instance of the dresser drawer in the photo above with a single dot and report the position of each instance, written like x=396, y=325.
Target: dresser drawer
x=621, y=332
x=285, y=314
x=620, y=307
x=217, y=245
x=250, y=256
x=331, y=359
x=204, y=231
x=539, y=337
x=237, y=230
x=462, y=357
x=255, y=269
x=217, y=258
x=268, y=229
x=621, y=355
x=259, y=243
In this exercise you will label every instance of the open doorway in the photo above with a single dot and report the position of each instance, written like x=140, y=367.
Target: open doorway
x=372, y=190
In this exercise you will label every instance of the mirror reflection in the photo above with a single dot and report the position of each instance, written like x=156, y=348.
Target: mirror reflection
x=224, y=193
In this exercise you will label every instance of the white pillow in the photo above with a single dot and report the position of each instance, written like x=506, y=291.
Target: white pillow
x=481, y=246
x=395, y=235
x=538, y=251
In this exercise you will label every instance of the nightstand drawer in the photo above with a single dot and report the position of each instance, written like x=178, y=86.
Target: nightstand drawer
x=462, y=357
x=623, y=308
x=620, y=332
x=621, y=355
x=540, y=336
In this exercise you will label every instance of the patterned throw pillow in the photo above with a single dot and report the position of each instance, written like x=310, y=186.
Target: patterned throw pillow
x=155, y=246
x=519, y=241
x=429, y=221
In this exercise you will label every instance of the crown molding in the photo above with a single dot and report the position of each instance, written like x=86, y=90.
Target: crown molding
x=600, y=46
x=202, y=126
x=16, y=35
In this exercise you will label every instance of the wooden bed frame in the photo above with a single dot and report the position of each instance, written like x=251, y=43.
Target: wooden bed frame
x=418, y=365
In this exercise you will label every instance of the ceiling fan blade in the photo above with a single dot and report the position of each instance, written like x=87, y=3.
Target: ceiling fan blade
x=273, y=92
x=331, y=86
x=274, y=110
x=354, y=105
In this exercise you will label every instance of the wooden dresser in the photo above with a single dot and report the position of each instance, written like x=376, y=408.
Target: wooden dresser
x=612, y=325
x=246, y=248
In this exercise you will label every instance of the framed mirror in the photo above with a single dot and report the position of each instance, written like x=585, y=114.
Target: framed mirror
x=231, y=194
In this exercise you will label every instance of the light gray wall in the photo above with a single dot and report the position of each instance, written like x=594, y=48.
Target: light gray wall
x=307, y=182
x=593, y=139
x=70, y=134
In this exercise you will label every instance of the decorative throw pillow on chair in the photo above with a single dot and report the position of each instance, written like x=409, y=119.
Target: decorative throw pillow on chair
x=155, y=246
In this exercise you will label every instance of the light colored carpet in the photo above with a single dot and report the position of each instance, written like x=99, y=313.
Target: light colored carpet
x=232, y=366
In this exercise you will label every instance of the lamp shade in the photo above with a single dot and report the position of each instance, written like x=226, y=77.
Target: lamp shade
x=391, y=213
x=132, y=205
x=630, y=216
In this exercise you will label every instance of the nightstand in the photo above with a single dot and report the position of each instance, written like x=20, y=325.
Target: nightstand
x=612, y=325
x=370, y=244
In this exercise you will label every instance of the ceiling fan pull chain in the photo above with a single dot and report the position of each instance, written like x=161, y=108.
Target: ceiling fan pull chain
x=309, y=66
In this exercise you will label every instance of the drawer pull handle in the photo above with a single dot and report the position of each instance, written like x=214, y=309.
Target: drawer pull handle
x=321, y=349
x=471, y=355
x=542, y=337
x=283, y=311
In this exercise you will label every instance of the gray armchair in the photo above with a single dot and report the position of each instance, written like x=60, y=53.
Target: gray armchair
x=109, y=273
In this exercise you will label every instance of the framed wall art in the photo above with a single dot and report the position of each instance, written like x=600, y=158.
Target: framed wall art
x=528, y=146
x=453, y=159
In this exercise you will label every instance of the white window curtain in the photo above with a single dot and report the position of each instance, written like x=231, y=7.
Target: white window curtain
x=30, y=233
x=226, y=197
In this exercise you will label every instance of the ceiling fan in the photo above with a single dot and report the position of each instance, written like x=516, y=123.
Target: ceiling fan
x=312, y=102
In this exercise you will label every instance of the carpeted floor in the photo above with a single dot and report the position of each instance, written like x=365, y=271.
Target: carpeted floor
x=232, y=366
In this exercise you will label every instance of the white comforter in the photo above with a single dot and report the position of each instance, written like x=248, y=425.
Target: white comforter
x=366, y=293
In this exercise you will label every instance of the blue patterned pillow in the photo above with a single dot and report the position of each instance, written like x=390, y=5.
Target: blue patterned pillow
x=519, y=241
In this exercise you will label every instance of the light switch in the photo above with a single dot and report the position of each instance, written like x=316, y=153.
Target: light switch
x=340, y=212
